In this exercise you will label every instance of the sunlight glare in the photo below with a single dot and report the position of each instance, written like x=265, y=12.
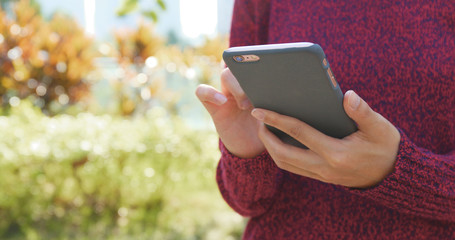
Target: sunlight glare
x=198, y=17
x=89, y=12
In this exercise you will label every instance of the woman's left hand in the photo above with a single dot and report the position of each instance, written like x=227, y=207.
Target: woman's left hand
x=360, y=160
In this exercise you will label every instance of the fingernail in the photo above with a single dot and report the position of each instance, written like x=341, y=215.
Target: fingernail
x=246, y=104
x=259, y=115
x=220, y=98
x=354, y=100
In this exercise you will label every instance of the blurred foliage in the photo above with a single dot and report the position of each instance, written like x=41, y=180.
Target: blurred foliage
x=56, y=65
x=214, y=47
x=96, y=176
x=130, y=6
x=104, y=177
x=44, y=60
x=136, y=45
x=213, y=50
x=148, y=67
x=33, y=3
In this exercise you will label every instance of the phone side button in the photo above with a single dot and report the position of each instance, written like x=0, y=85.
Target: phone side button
x=332, y=78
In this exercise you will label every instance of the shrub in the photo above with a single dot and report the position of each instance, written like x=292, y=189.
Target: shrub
x=103, y=177
x=45, y=60
x=136, y=45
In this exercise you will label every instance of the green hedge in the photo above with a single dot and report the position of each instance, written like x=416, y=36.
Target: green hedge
x=105, y=177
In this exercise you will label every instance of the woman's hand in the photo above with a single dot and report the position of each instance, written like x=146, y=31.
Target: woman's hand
x=361, y=160
x=230, y=111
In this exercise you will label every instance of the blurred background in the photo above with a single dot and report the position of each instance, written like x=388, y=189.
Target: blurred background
x=101, y=136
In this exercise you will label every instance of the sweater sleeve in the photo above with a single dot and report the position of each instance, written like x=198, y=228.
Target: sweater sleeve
x=248, y=21
x=422, y=184
x=249, y=186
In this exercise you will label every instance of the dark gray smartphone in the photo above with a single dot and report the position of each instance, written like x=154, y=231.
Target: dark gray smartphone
x=293, y=79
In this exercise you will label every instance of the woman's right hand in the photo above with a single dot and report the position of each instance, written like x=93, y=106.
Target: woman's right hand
x=230, y=110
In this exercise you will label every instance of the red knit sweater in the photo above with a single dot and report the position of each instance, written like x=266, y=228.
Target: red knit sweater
x=400, y=57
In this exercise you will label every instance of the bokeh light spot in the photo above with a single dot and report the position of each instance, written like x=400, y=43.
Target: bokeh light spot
x=15, y=29
x=122, y=212
x=146, y=94
x=32, y=83
x=15, y=53
x=41, y=90
x=151, y=62
x=14, y=101
x=149, y=172
x=63, y=99
x=141, y=78
x=61, y=67
x=104, y=49
x=43, y=55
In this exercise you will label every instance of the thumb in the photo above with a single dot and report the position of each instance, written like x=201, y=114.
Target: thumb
x=359, y=111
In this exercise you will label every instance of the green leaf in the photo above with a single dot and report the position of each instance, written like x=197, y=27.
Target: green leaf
x=161, y=4
x=151, y=14
x=127, y=7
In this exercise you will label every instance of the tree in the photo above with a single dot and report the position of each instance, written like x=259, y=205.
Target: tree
x=130, y=6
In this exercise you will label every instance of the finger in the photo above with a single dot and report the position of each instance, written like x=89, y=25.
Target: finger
x=207, y=93
x=304, y=133
x=210, y=97
x=357, y=109
x=230, y=84
x=291, y=158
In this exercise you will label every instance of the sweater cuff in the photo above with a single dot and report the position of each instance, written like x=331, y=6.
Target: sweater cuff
x=248, y=185
x=261, y=162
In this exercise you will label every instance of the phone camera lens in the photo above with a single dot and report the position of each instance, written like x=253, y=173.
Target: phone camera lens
x=239, y=58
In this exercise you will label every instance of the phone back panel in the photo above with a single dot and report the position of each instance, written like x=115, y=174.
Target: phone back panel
x=294, y=81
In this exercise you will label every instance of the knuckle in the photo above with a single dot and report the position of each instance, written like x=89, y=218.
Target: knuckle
x=231, y=84
x=277, y=155
x=339, y=160
x=224, y=79
x=225, y=73
x=227, y=78
x=270, y=119
x=382, y=124
x=280, y=161
x=365, y=111
x=296, y=131
x=279, y=164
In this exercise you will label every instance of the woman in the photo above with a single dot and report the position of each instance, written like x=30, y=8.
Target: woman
x=392, y=179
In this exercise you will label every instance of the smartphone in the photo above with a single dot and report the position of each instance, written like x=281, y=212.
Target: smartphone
x=294, y=79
